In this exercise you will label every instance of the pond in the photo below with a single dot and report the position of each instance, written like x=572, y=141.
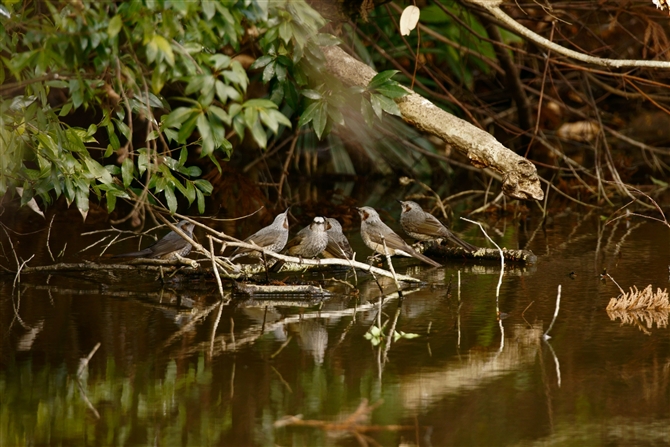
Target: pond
x=173, y=365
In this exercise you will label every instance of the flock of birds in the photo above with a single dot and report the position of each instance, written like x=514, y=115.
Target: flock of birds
x=323, y=237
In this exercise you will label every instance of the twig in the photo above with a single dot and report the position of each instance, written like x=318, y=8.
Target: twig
x=502, y=257
x=546, y=335
x=84, y=362
x=388, y=260
x=215, y=267
x=49, y=237
x=276, y=353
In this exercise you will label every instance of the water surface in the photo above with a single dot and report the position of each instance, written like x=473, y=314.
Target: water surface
x=175, y=367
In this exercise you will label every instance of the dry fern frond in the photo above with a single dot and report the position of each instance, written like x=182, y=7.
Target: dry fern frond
x=641, y=308
x=645, y=300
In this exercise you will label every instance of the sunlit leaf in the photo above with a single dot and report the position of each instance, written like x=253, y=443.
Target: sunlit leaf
x=114, y=26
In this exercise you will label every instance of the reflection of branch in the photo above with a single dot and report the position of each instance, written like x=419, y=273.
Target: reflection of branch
x=558, y=365
x=356, y=423
x=502, y=259
x=252, y=333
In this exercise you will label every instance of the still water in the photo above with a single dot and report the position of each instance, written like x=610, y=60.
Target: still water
x=174, y=366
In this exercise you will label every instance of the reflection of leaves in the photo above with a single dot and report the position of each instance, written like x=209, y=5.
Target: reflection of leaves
x=375, y=334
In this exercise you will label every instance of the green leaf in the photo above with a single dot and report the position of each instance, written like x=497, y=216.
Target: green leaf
x=183, y=155
x=178, y=116
x=190, y=192
x=311, y=94
x=259, y=134
x=101, y=174
x=142, y=161
x=192, y=171
x=320, y=119
x=327, y=40
x=171, y=198
x=261, y=62
x=269, y=121
x=392, y=91
x=220, y=114
x=376, y=104
x=114, y=26
x=259, y=102
x=111, y=201
x=367, y=112
x=164, y=46
x=204, y=186
x=187, y=128
x=285, y=31
x=127, y=171
x=268, y=73
x=205, y=134
x=388, y=105
x=309, y=113
x=201, y=201
x=81, y=200
x=381, y=78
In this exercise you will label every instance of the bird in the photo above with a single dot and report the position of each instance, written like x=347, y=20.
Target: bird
x=169, y=247
x=308, y=243
x=376, y=234
x=338, y=245
x=423, y=226
x=272, y=238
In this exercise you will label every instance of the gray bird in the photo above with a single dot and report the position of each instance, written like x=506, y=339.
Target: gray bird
x=338, y=245
x=168, y=247
x=308, y=243
x=423, y=226
x=272, y=238
x=376, y=233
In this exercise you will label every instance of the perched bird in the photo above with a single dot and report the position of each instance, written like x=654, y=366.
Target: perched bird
x=424, y=226
x=272, y=238
x=308, y=243
x=169, y=247
x=376, y=233
x=338, y=245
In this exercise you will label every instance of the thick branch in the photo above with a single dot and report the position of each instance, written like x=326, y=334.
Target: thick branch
x=520, y=178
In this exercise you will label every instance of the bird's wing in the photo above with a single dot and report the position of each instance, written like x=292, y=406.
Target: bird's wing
x=391, y=239
x=430, y=225
x=338, y=249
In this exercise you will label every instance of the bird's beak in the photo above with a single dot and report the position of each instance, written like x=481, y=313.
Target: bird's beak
x=399, y=201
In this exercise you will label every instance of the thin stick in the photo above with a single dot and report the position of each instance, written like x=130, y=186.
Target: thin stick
x=214, y=327
x=84, y=362
x=17, y=278
x=545, y=336
x=502, y=259
x=215, y=267
x=49, y=237
x=388, y=260
x=276, y=353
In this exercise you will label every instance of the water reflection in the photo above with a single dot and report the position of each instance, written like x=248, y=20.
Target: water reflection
x=177, y=366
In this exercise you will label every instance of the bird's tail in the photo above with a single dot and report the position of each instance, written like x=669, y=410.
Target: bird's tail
x=466, y=245
x=135, y=254
x=425, y=259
